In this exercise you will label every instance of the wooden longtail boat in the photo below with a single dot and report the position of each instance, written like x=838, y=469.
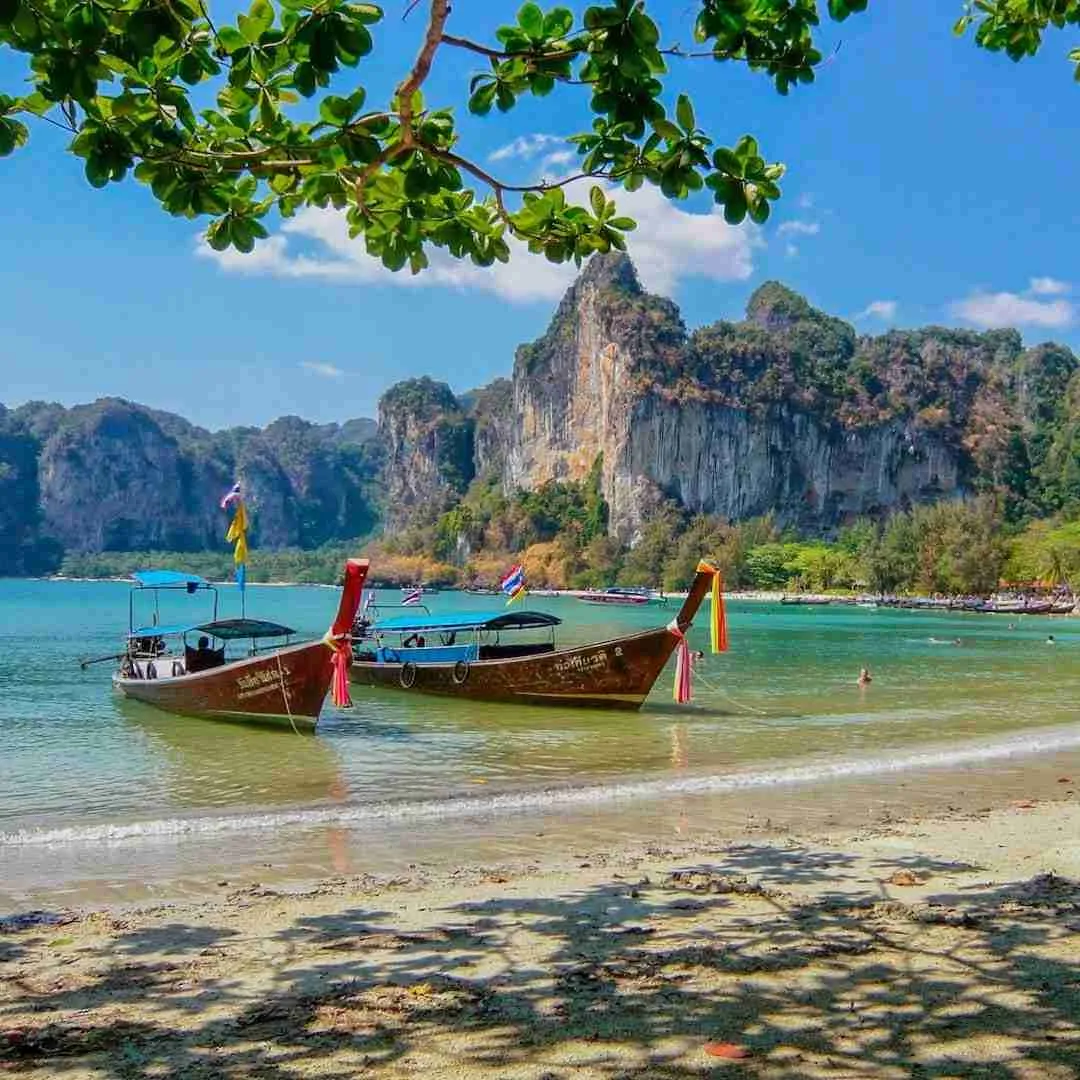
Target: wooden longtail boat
x=283, y=684
x=616, y=595
x=422, y=653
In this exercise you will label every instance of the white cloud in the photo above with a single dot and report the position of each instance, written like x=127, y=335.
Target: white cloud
x=1048, y=286
x=326, y=370
x=526, y=147
x=669, y=244
x=1003, y=309
x=556, y=157
x=879, y=309
x=799, y=228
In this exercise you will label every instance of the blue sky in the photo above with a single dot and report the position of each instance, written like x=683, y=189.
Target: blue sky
x=929, y=182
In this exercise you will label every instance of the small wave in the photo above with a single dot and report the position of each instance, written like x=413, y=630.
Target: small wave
x=456, y=809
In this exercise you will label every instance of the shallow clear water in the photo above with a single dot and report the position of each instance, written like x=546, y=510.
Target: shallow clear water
x=79, y=766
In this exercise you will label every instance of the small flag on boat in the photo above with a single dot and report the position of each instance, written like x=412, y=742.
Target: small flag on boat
x=237, y=534
x=513, y=584
x=413, y=596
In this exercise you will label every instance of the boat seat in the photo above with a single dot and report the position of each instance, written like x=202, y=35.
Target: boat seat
x=196, y=661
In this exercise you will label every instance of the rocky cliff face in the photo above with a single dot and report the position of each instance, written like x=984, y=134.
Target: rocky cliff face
x=789, y=411
x=429, y=446
x=115, y=476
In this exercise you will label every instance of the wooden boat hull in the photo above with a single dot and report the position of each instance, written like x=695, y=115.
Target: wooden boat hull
x=285, y=688
x=615, y=674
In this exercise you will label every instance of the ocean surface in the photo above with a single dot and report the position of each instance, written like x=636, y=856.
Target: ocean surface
x=102, y=798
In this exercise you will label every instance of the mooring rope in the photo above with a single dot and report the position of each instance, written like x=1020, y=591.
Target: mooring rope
x=285, y=693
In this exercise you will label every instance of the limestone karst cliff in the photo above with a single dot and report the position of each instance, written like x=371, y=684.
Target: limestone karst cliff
x=788, y=411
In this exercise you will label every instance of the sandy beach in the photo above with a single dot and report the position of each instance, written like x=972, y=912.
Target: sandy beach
x=943, y=945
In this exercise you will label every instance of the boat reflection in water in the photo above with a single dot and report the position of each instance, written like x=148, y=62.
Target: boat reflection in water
x=232, y=766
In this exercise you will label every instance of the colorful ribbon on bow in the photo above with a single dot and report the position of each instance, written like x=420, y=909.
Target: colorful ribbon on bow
x=341, y=647
x=684, y=665
x=718, y=637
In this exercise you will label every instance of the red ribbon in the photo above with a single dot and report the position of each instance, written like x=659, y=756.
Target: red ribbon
x=339, y=682
x=684, y=666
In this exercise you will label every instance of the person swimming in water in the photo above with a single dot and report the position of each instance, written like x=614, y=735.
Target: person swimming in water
x=865, y=678
x=1050, y=640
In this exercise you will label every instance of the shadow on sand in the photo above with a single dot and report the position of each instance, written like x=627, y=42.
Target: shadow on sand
x=615, y=980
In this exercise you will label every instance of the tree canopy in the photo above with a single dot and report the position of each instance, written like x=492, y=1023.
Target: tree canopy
x=286, y=125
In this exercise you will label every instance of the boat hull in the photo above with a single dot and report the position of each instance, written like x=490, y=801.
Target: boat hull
x=285, y=688
x=615, y=674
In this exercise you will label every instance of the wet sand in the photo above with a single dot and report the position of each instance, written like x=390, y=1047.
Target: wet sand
x=941, y=944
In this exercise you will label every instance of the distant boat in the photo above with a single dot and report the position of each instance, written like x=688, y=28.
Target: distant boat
x=478, y=655
x=283, y=684
x=816, y=601
x=617, y=595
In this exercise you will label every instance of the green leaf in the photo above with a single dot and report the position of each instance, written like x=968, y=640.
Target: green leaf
x=257, y=22
x=558, y=23
x=727, y=161
x=231, y=40
x=36, y=103
x=735, y=206
x=335, y=110
x=623, y=224
x=12, y=134
x=684, y=113
x=747, y=147
x=597, y=201
x=365, y=13
x=531, y=20
x=668, y=130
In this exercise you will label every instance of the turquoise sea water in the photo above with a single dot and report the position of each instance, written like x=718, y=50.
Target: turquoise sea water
x=93, y=786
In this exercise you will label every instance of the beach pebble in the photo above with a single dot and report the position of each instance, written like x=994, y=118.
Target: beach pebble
x=905, y=877
x=731, y=1051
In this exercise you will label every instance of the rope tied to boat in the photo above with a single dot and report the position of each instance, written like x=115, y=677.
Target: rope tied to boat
x=285, y=692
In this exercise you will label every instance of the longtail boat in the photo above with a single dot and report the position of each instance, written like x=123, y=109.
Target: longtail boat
x=616, y=595
x=282, y=683
x=467, y=655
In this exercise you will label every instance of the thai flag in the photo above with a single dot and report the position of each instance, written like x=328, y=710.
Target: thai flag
x=513, y=583
x=231, y=497
x=413, y=596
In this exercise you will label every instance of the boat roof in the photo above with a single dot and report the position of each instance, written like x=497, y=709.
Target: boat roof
x=468, y=620
x=165, y=579
x=164, y=630
x=230, y=629
x=224, y=629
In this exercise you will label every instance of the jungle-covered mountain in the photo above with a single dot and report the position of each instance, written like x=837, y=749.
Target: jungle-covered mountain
x=615, y=416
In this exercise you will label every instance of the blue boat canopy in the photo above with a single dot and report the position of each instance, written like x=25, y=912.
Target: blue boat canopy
x=232, y=629
x=166, y=630
x=166, y=579
x=467, y=620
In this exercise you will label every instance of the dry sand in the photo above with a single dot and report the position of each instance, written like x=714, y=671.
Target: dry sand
x=937, y=948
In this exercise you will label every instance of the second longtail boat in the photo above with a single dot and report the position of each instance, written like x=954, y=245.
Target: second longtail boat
x=466, y=655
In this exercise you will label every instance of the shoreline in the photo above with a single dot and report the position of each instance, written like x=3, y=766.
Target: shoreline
x=942, y=940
